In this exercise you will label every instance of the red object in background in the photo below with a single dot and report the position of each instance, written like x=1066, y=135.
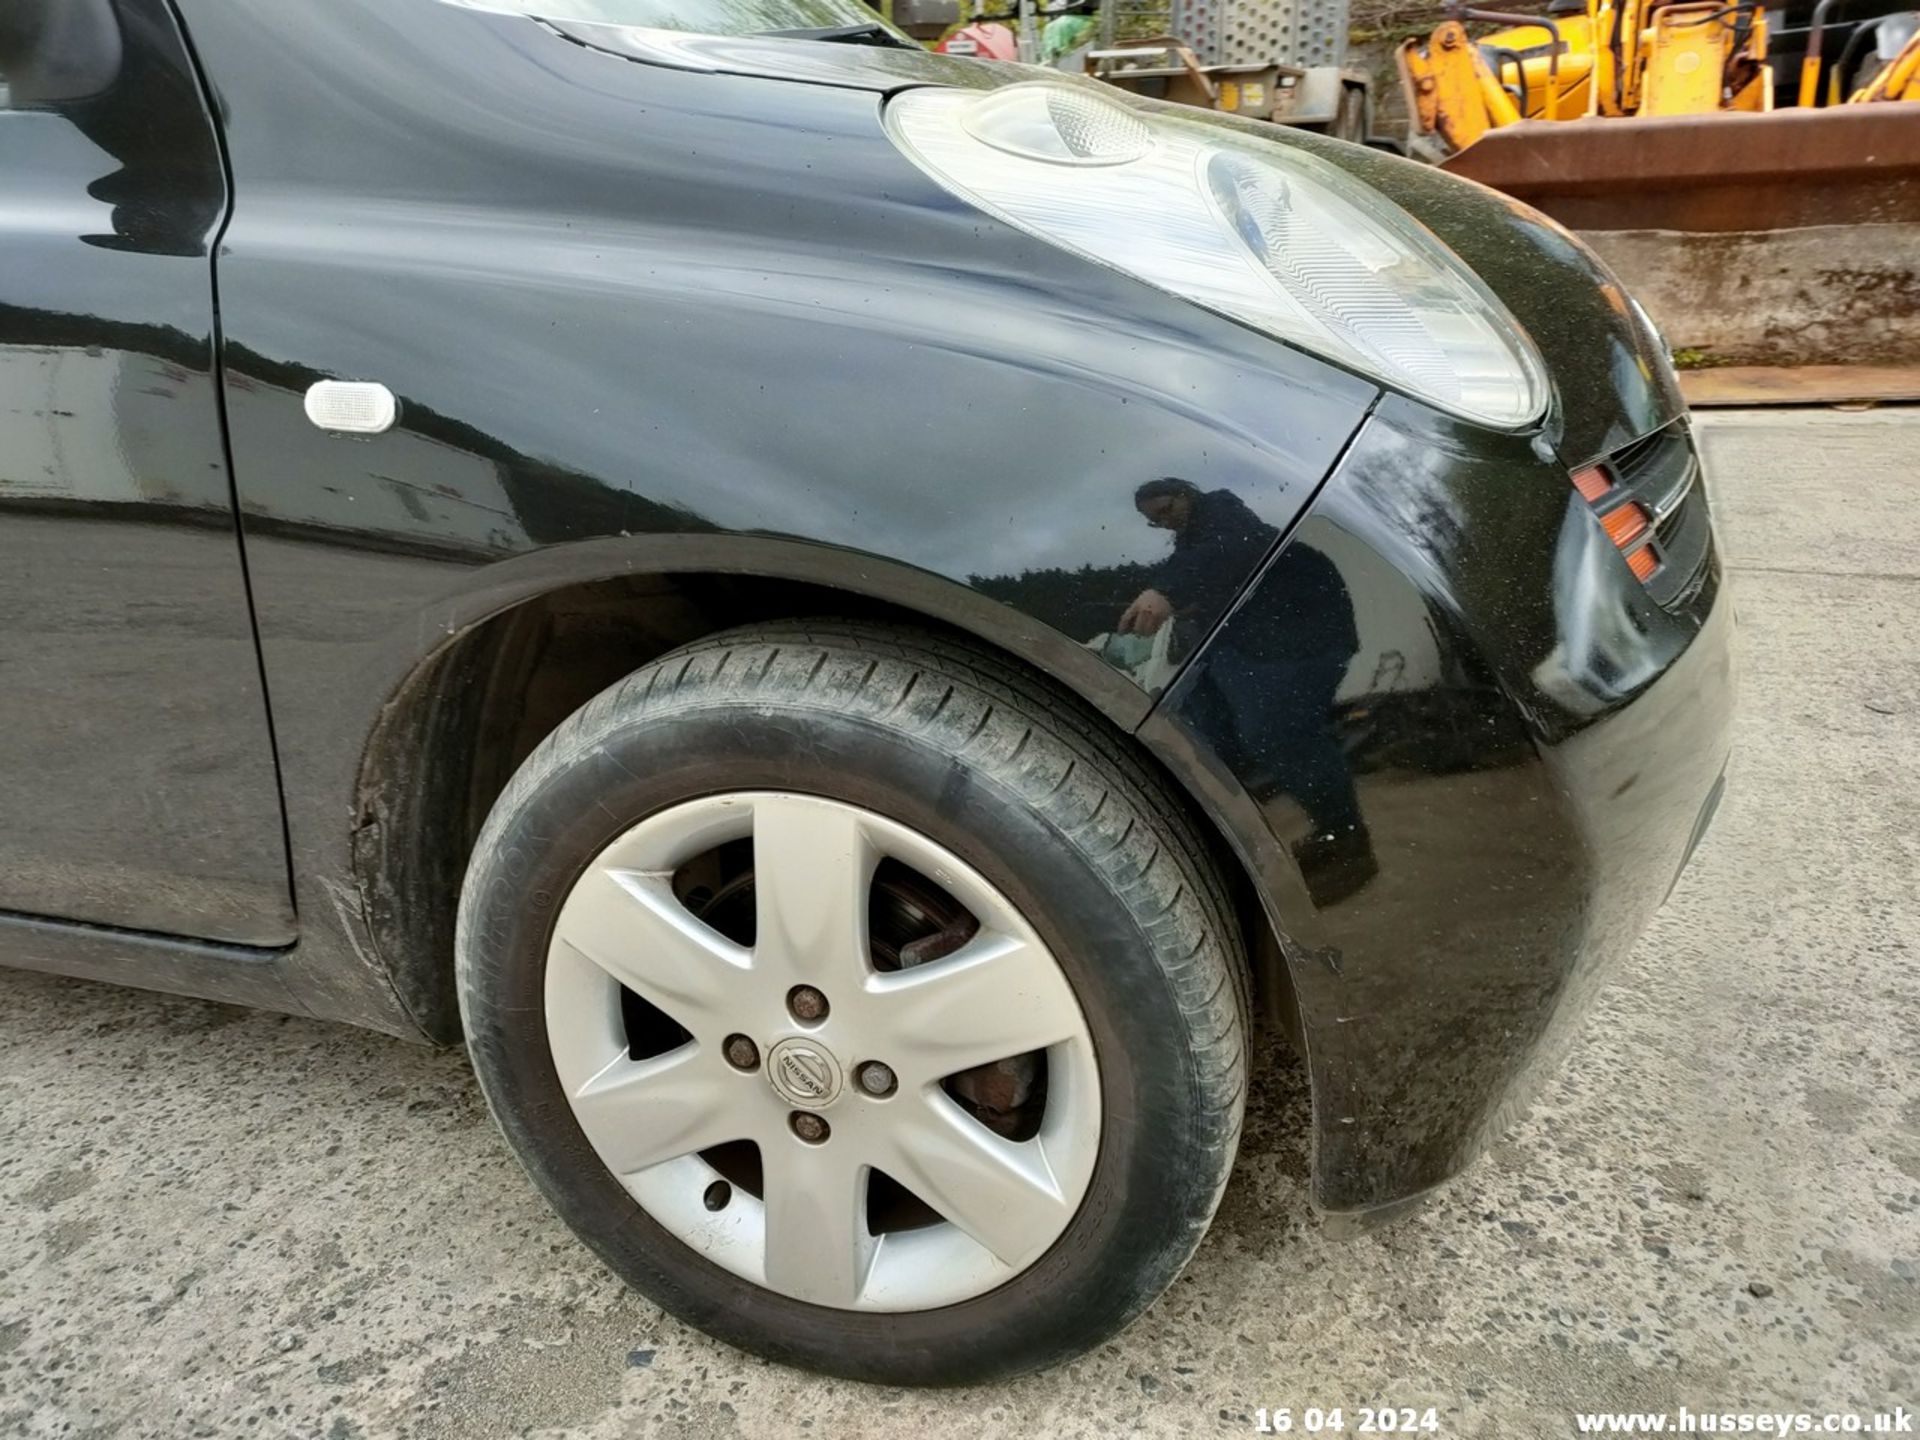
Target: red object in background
x=988, y=42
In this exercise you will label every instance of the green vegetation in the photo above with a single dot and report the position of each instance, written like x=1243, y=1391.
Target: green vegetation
x=1687, y=358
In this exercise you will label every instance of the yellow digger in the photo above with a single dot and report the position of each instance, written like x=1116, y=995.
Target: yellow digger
x=1611, y=58
x=1745, y=166
x=1897, y=79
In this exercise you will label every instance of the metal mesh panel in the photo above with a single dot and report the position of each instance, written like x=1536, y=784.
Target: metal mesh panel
x=1124, y=20
x=1262, y=32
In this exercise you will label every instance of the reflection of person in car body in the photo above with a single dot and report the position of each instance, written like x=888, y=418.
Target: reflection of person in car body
x=1217, y=542
x=1296, y=638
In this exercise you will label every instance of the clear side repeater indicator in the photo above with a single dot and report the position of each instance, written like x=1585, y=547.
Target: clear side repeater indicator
x=356, y=407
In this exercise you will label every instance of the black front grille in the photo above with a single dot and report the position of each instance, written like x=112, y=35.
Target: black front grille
x=1661, y=471
x=1630, y=461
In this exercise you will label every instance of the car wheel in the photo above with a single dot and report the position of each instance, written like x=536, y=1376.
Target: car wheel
x=860, y=1000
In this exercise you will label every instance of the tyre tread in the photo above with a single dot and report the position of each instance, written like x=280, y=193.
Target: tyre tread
x=1016, y=729
x=1176, y=892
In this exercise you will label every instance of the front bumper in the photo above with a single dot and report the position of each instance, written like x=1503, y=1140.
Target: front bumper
x=1459, y=823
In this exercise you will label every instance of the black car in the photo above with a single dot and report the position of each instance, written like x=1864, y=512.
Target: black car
x=861, y=624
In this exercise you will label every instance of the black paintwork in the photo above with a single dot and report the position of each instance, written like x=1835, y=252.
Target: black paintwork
x=688, y=313
x=1470, y=796
x=620, y=309
x=1610, y=376
x=135, y=764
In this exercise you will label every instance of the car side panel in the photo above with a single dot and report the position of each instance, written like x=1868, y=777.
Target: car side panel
x=137, y=784
x=646, y=320
x=1518, y=748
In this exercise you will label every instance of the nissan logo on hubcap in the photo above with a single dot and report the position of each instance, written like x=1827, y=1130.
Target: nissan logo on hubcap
x=803, y=1073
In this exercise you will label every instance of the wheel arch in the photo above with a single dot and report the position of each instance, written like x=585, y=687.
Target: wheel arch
x=541, y=634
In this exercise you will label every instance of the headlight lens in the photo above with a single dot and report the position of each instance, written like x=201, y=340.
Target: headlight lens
x=1265, y=233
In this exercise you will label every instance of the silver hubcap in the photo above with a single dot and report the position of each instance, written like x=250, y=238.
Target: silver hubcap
x=803, y=1073
x=861, y=1088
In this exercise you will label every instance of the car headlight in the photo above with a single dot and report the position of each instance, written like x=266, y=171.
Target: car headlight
x=1266, y=234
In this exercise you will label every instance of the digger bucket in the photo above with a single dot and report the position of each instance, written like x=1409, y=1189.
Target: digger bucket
x=1785, y=238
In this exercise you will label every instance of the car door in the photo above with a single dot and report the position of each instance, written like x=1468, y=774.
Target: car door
x=137, y=780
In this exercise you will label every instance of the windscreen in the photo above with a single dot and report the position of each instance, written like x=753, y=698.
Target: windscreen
x=705, y=17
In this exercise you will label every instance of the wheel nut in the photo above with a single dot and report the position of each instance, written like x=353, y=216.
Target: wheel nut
x=742, y=1053
x=810, y=1128
x=877, y=1079
x=807, y=1003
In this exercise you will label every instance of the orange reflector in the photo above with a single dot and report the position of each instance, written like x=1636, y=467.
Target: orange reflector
x=1592, y=483
x=1626, y=524
x=1643, y=562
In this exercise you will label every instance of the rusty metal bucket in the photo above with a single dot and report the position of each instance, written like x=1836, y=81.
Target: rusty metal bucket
x=1855, y=164
x=1785, y=238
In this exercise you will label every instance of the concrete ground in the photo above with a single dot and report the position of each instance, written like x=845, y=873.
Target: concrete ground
x=214, y=1222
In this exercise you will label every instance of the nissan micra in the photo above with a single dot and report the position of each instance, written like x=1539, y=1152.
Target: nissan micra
x=863, y=627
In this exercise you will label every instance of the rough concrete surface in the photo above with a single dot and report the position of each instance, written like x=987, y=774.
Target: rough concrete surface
x=1840, y=294
x=214, y=1222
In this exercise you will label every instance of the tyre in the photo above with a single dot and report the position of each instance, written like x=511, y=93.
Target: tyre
x=859, y=1000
